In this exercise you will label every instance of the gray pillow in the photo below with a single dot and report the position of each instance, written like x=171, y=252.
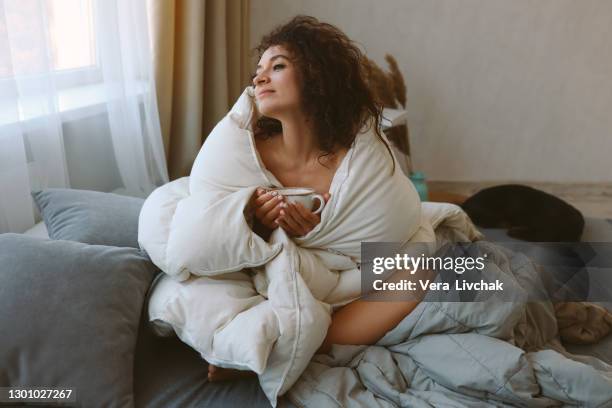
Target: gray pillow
x=91, y=217
x=69, y=316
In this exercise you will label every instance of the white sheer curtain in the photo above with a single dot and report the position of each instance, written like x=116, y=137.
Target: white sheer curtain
x=77, y=102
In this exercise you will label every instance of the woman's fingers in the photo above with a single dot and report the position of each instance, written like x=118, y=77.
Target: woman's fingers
x=308, y=218
x=261, y=199
x=298, y=219
x=257, y=199
x=258, y=193
x=287, y=215
x=282, y=222
x=294, y=218
x=265, y=204
x=269, y=217
x=305, y=224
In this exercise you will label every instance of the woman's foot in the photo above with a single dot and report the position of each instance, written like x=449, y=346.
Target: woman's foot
x=225, y=374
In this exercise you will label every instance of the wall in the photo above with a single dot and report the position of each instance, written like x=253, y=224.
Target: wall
x=497, y=89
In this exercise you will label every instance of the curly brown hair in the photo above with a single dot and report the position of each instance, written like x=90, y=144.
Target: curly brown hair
x=334, y=89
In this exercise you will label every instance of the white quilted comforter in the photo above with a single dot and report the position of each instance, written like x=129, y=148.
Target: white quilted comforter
x=245, y=303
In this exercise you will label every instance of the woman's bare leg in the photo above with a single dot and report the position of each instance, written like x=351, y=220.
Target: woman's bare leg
x=365, y=321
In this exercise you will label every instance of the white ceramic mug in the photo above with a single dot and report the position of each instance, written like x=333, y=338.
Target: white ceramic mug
x=303, y=195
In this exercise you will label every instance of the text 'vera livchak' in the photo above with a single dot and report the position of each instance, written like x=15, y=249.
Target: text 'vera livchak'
x=426, y=284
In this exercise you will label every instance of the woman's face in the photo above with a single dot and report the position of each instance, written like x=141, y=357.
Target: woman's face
x=276, y=82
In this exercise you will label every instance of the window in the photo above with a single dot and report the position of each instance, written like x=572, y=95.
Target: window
x=54, y=36
x=71, y=25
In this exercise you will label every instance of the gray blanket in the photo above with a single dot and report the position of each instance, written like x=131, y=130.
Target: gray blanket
x=485, y=353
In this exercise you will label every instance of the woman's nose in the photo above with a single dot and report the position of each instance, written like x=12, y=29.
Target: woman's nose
x=260, y=79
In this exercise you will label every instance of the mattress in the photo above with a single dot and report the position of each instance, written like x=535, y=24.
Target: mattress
x=168, y=373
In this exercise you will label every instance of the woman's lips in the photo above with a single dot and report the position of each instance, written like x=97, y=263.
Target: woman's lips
x=264, y=93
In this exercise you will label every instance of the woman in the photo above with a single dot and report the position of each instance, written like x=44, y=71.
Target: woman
x=312, y=94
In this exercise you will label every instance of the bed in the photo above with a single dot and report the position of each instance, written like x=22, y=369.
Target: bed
x=169, y=373
x=595, y=230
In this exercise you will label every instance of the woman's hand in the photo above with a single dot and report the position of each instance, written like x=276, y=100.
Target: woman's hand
x=265, y=206
x=296, y=220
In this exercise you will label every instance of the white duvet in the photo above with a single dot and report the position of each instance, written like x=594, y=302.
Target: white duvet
x=245, y=303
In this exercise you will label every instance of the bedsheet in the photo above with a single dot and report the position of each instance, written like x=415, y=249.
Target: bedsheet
x=453, y=354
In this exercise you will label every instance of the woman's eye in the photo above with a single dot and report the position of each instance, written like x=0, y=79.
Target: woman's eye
x=274, y=67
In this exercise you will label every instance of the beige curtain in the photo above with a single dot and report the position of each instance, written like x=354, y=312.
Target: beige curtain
x=202, y=64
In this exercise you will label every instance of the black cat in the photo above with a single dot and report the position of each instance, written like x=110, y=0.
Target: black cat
x=527, y=213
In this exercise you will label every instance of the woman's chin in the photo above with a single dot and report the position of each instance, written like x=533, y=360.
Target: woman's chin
x=267, y=111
